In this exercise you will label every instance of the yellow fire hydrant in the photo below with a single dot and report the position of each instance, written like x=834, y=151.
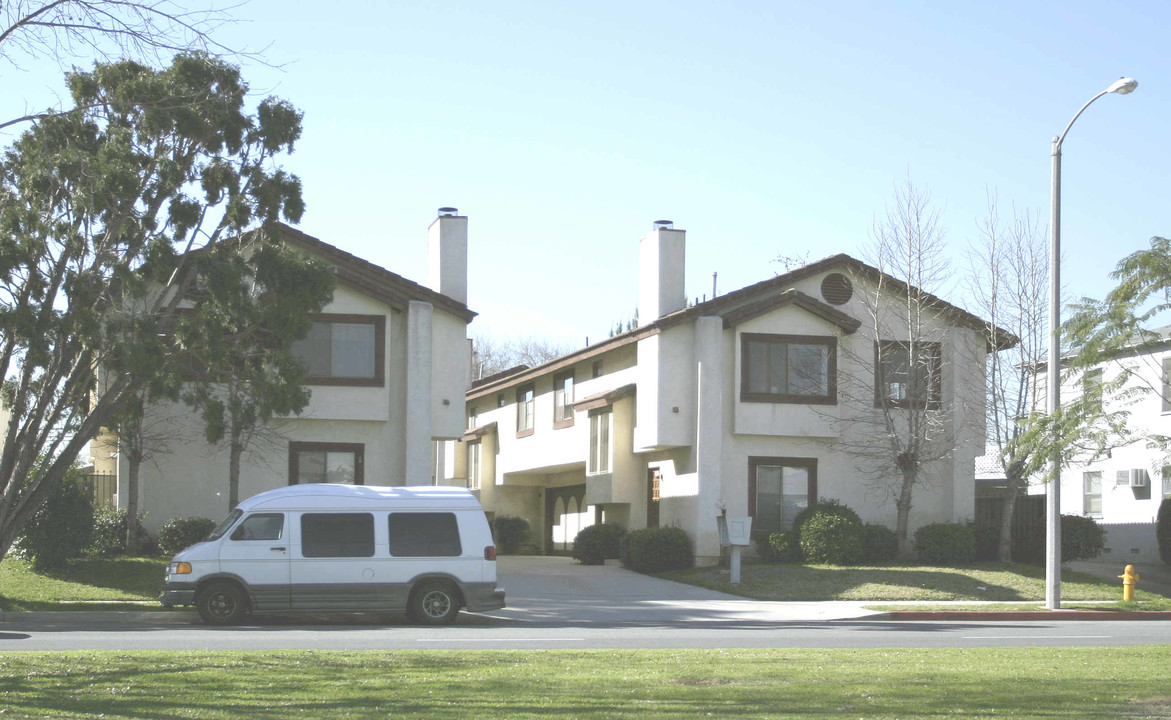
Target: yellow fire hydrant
x=1129, y=576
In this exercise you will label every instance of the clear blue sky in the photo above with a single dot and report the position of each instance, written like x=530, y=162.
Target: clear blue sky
x=563, y=130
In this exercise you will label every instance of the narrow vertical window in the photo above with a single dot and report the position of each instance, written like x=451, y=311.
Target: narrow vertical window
x=1092, y=493
x=599, y=459
x=563, y=400
x=524, y=410
x=1167, y=384
x=474, y=465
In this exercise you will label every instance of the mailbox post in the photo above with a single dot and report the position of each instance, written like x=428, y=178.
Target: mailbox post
x=737, y=533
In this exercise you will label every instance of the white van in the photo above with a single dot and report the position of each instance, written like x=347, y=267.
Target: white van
x=425, y=551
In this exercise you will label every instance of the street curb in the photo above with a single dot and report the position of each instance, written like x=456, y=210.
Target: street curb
x=112, y=617
x=1061, y=615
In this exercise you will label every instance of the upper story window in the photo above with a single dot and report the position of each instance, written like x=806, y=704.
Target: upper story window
x=788, y=369
x=905, y=378
x=597, y=369
x=1092, y=493
x=1092, y=385
x=344, y=350
x=563, y=399
x=473, y=417
x=524, y=410
x=599, y=460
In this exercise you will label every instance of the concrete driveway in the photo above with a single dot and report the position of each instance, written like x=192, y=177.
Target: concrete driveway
x=557, y=590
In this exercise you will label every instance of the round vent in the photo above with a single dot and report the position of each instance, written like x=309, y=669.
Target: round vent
x=837, y=289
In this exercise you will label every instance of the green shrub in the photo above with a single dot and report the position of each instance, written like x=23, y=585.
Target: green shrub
x=60, y=530
x=987, y=542
x=510, y=533
x=832, y=534
x=181, y=533
x=827, y=504
x=652, y=550
x=880, y=544
x=764, y=550
x=597, y=543
x=1082, y=538
x=1163, y=530
x=109, y=533
x=785, y=547
x=946, y=544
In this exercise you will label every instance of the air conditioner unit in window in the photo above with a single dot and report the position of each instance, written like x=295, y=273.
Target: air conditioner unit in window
x=1137, y=477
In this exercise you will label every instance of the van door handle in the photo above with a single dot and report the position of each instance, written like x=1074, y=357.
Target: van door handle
x=278, y=548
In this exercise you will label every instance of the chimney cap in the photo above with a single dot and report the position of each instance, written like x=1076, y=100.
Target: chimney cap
x=447, y=211
x=664, y=225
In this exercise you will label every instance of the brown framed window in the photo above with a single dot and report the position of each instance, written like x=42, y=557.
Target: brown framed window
x=344, y=350
x=599, y=459
x=788, y=369
x=524, y=410
x=597, y=369
x=474, y=460
x=473, y=417
x=313, y=462
x=563, y=399
x=906, y=378
x=778, y=489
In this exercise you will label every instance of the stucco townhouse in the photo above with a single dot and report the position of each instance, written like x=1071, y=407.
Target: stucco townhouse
x=750, y=404
x=388, y=366
x=1123, y=490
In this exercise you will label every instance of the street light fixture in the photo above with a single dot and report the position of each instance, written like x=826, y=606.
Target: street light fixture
x=1123, y=86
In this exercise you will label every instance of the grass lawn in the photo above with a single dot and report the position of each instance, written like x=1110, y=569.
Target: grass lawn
x=117, y=583
x=1088, y=683
x=992, y=582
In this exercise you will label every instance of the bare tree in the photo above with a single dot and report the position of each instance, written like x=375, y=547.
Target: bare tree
x=495, y=355
x=900, y=428
x=1009, y=281
x=67, y=31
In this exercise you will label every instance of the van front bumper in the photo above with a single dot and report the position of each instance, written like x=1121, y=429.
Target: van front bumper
x=177, y=593
x=481, y=597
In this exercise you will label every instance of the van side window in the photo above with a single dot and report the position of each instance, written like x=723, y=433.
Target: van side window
x=260, y=526
x=424, y=535
x=337, y=535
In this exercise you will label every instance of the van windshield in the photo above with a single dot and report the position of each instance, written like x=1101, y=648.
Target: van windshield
x=223, y=527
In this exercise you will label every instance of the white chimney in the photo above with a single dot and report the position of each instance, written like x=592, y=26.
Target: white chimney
x=661, y=272
x=447, y=241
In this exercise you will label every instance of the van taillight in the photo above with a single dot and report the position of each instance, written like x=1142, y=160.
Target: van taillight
x=490, y=552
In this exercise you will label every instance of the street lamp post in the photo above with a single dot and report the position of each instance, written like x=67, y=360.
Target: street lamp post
x=1123, y=86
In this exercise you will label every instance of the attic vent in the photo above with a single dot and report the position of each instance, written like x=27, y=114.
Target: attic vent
x=837, y=289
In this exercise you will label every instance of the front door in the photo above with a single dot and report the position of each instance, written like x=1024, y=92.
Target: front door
x=565, y=515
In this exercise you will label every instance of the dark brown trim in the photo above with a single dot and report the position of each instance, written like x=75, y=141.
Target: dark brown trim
x=369, y=279
x=812, y=305
x=603, y=399
x=478, y=433
x=523, y=389
x=934, y=400
x=754, y=462
x=379, y=323
x=831, y=397
x=359, y=450
x=558, y=378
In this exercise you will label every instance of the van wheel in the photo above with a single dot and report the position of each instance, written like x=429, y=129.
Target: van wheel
x=221, y=604
x=434, y=604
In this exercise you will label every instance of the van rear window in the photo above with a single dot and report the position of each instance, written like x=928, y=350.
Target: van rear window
x=337, y=535
x=424, y=535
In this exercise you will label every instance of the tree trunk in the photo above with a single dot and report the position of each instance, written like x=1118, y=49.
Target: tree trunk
x=134, y=463
x=235, y=451
x=1007, y=509
x=902, y=524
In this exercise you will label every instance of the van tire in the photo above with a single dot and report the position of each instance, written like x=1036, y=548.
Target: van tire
x=434, y=603
x=222, y=604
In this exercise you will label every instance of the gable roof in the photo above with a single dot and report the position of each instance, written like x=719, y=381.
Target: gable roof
x=744, y=304
x=370, y=279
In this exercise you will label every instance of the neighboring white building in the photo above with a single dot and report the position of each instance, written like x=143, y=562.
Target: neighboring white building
x=692, y=414
x=388, y=365
x=1123, y=491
